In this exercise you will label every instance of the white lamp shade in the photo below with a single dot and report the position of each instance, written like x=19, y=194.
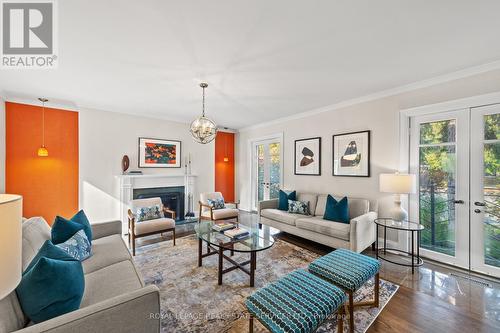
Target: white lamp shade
x=397, y=183
x=10, y=242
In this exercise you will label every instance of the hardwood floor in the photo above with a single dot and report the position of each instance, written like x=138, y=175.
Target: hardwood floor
x=434, y=299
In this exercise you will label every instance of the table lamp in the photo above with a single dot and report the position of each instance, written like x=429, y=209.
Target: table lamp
x=10, y=242
x=397, y=183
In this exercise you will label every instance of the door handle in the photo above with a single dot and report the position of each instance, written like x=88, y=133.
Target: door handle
x=477, y=211
x=477, y=203
x=459, y=202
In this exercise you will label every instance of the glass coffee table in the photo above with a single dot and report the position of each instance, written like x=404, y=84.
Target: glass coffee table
x=218, y=243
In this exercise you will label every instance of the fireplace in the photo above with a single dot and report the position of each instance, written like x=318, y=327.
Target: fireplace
x=172, y=197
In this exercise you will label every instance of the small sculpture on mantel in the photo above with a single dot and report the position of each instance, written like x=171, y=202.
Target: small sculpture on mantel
x=125, y=163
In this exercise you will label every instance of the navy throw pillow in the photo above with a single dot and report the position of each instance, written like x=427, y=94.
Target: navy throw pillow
x=52, y=285
x=337, y=211
x=64, y=229
x=283, y=199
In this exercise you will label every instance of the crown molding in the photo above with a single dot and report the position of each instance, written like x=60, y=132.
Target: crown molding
x=471, y=71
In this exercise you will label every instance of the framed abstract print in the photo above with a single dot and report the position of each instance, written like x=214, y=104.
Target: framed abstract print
x=308, y=157
x=158, y=153
x=351, y=154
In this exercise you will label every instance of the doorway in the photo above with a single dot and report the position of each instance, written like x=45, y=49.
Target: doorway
x=456, y=156
x=267, y=169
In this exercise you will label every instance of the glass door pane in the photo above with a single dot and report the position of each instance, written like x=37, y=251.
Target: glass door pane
x=491, y=197
x=266, y=170
x=274, y=169
x=437, y=176
x=260, y=172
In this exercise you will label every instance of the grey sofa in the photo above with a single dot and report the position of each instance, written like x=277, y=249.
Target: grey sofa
x=355, y=236
x=115, y=298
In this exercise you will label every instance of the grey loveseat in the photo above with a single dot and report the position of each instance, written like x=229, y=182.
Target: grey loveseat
x=355, y=236
x=115, y=298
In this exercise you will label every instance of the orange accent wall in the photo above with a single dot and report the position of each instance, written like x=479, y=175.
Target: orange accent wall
x=224, y=171
x=49, y=185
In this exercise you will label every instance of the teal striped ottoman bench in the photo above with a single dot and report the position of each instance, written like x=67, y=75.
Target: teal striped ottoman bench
x=348, y=270
x=299, y=302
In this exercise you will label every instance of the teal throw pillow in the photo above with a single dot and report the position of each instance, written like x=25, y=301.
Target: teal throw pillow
x=298, y=207
x=77, y=246
x=216, y=203
x=284, y=197
x=148, y=213
x=337, y=211
x=52, y=285
x=64, y=229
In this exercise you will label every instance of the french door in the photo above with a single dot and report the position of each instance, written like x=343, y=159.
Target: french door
x=266, y=170
x=456, y=156
x=485, y=189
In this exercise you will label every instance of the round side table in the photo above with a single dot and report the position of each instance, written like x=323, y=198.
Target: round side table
x=410, y=227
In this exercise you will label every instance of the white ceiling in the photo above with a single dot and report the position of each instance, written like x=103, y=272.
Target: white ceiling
x=263, y=59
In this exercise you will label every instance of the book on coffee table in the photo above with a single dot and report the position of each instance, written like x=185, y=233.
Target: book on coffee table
x=236, y=233
x=222, y=226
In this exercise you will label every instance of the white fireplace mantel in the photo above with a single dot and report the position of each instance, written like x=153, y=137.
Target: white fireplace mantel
x=130, y=182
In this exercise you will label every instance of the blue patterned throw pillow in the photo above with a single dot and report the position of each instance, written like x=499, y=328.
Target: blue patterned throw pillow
x=78, y=246
x=217, y=203
x=148, y=213
x=298, y=207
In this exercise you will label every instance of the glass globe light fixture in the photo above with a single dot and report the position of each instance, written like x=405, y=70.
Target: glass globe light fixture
x=203, y=129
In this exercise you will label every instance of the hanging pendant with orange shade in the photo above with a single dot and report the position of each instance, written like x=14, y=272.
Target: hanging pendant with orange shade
x=43, y=151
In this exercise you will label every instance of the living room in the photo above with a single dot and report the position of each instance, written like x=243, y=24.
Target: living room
x=250, y=167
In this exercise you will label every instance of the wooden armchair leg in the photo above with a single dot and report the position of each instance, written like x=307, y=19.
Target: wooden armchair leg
x=174, y=235
x=133, y=245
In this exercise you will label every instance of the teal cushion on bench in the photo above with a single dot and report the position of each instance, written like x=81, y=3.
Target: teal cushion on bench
x=344, y=268
x=297, y=302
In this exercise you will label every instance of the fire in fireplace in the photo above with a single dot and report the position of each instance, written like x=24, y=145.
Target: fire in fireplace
x=172, y=197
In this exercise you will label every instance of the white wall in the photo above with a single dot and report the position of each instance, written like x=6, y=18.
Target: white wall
x=106, y=136
x=2, y=145
x=380, y=116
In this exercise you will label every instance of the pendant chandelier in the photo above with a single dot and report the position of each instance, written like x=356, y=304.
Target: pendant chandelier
x=42, y=151
x=202, y=128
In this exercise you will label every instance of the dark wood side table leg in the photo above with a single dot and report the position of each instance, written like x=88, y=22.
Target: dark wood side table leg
x=376, y=240
x=200, y=252
x=412, y=252
x=221, y=264
x=253, y=266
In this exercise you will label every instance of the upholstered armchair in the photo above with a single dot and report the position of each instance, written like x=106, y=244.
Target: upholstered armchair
x=155, y=225
x=207, y=212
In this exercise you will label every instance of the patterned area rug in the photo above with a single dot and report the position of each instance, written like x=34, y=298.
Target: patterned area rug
x=191, y=300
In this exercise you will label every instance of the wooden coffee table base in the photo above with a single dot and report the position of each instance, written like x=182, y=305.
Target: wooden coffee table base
x=211, y=250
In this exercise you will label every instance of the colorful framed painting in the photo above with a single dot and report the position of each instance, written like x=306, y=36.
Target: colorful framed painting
x=308, y=157
x=157, y=153
x=351, y=154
